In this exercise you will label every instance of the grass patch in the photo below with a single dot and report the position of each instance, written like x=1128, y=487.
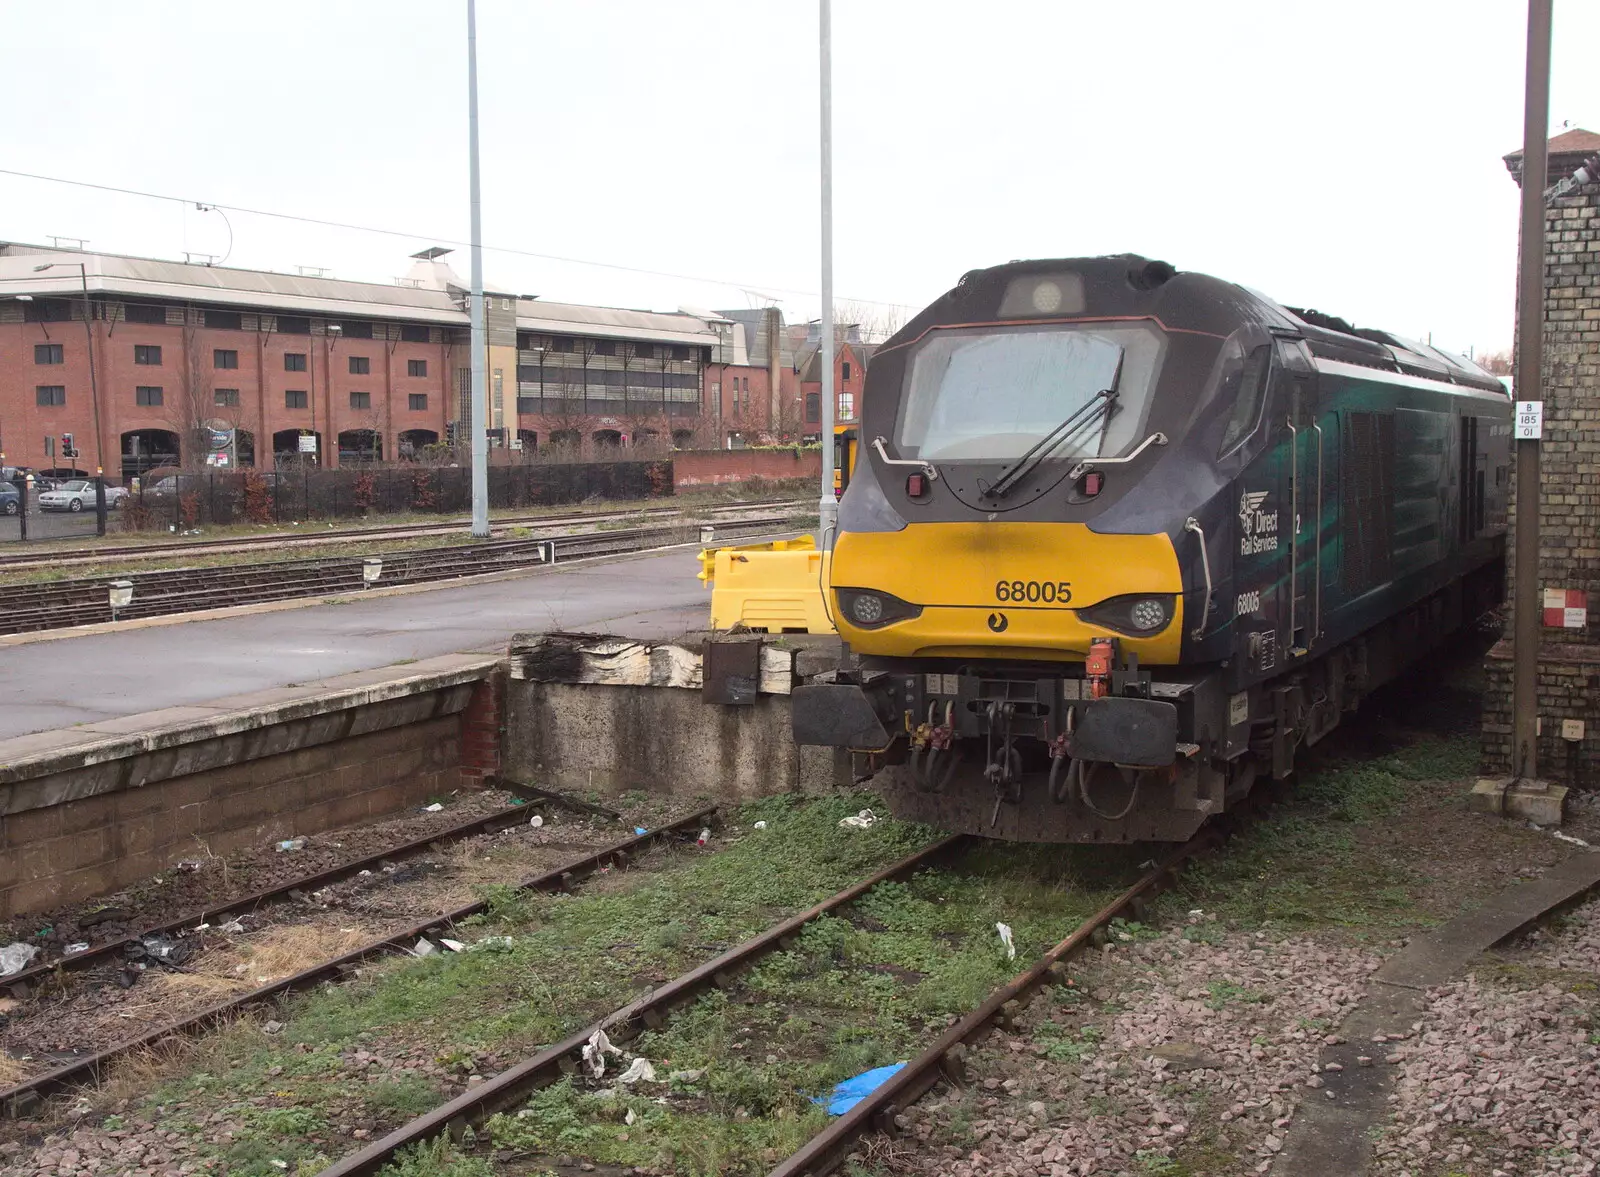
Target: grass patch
x=436, y=1158
x=572, y=957
x=1305, y=864
x=859, y=989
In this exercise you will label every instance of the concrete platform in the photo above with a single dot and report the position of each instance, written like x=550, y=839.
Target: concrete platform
x=135, y=669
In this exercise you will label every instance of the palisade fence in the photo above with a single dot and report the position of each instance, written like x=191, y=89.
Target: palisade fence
x=289, y=495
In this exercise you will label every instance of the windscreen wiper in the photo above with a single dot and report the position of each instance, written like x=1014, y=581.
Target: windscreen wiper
x=1098, y=407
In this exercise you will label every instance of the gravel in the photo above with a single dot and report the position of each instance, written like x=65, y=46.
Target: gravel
x=1504, y=1077
x=1197, y=1041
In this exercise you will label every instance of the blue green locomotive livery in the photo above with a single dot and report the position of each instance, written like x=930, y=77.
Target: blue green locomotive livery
x=1120, y=540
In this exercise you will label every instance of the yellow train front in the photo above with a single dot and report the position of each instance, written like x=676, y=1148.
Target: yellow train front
x=1104, y=558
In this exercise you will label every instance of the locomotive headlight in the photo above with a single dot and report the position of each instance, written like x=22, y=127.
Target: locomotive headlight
x=869, y=609
x=1150, y=613
x=1047, y=297
x=1137, y=615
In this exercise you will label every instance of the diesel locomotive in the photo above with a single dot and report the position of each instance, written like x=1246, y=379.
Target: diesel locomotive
x=1120, y=540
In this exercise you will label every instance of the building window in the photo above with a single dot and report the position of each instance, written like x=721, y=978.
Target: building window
x=813, y=406
x=845, y=373
x=563, y=343
x=360, y=366
x=360, y=400
x=294, y=399
x=357, y=330
x=527, y=405
x=680, y=351
x=746, y=388
x=644, y=351
x=417, y=401
x=135, y=313
x=47, y=310
x=226, y=319
x=416, y=367
x=224, y=357
x=410, y=334
x=48, y=353
x=289, y=325
x=50, y=395
x=225, y=398
x=605, y=347
x=294, y=361
x=147, y=397
x=147, y=353
x=847, y=405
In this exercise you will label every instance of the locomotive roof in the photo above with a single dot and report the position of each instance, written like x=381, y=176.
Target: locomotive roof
x=1131, y=285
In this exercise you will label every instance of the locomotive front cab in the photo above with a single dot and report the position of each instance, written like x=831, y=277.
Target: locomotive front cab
x=1007, y=576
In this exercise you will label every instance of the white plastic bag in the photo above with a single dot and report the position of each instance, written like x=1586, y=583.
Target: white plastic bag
x=594, y=1053
x=639, y=1071
x=15, y=957
x=860, y=821
x=1005, y=938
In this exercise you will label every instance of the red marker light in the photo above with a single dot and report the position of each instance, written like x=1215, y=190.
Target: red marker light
x=1092, y=482
x=916, y=485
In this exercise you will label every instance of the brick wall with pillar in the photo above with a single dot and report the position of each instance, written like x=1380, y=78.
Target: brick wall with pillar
x=1569, y=510
x=482, y=729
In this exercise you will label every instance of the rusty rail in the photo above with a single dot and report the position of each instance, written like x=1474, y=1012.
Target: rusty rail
x=23, y=1097
x=511, y=1086
x=828, y=1149
x=489, y=823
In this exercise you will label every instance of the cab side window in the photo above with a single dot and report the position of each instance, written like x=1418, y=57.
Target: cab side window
x=1246, y=414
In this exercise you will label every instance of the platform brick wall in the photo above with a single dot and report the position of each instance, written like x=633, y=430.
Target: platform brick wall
x=1569, y=512
x=94, y=845
x=482, y=731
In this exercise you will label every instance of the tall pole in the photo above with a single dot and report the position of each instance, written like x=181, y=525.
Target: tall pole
x=478, y=410
x=94, y=386
x=827, y=505
x=1530, y=347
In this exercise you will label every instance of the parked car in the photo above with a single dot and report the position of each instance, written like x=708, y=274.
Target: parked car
x=79, y=495
x=10, y=499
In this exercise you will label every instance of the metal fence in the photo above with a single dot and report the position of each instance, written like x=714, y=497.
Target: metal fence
x=181, y=502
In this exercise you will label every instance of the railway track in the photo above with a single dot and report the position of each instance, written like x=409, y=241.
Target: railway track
x=25, y=1097
x=941, y=1059
x=60, y=557
x=64, y=603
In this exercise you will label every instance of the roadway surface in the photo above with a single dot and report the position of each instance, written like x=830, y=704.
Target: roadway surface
x=56, y=684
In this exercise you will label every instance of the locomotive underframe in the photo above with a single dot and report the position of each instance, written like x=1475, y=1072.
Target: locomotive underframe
x=1025, y=753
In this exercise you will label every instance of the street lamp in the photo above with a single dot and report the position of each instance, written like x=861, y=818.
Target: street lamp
x=88, y=333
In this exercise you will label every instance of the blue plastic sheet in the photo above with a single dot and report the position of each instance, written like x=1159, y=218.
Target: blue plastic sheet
x=852, y=1091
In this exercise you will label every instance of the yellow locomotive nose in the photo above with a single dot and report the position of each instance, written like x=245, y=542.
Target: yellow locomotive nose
x=1020, y=590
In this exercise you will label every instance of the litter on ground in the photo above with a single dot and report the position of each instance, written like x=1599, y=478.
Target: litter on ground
x=859, y=821
x=15, y=957
x=852, y=1091
x=1005, y=938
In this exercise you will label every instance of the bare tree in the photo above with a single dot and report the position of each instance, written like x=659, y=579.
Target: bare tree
x=1496, y=363
x=875, y=321
x=193, y=410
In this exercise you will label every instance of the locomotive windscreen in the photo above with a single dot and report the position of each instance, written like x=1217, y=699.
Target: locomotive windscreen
x=990, y=394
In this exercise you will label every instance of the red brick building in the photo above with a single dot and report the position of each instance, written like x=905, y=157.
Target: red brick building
x=197, y=363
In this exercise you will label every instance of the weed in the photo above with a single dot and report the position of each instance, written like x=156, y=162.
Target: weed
x=436, y=1158
x=1222, y=992
x=1209, y=932
x=1159, y=1164
x=407, y=1097
x=1064, y=1045
x=1129, y=930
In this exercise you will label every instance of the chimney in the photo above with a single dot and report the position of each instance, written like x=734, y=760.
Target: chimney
x=774, y=406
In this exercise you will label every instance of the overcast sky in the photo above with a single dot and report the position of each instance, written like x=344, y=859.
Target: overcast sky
x=1345, y=156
